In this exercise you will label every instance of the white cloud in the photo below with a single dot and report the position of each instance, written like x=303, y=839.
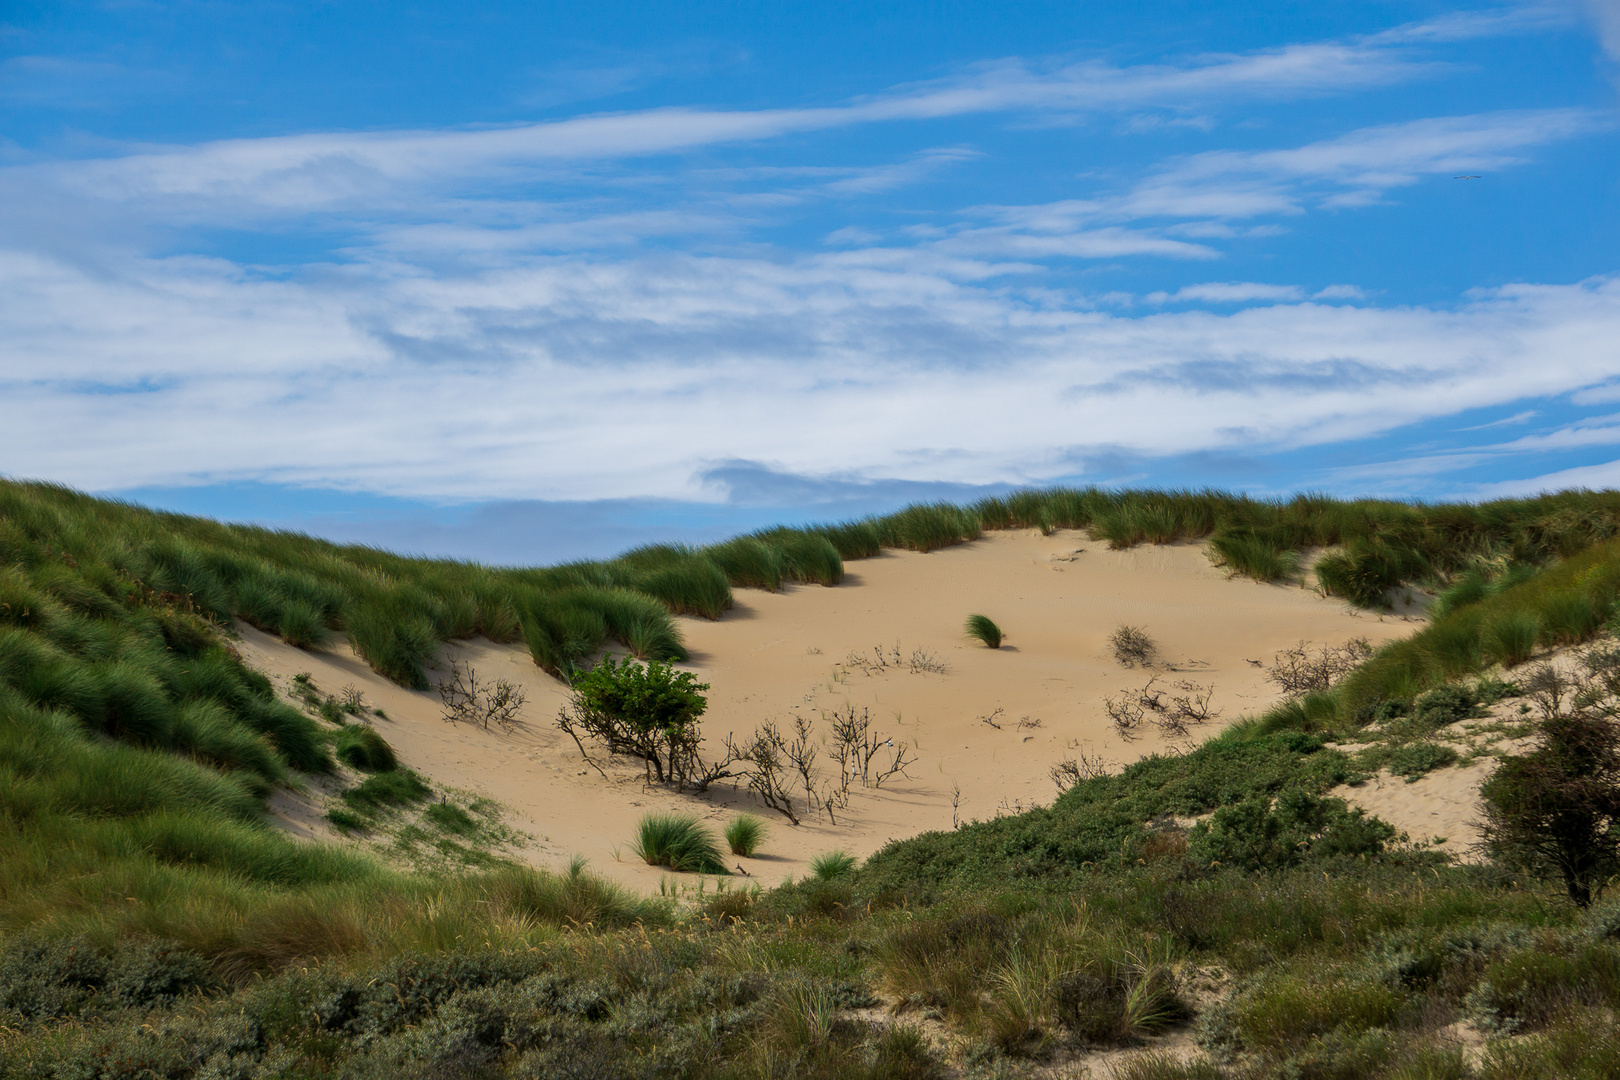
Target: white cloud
x=1597, y=395
x=1340, y=292
x=1212, y=189
x=1606, y=475
x=1606, y=14
x=328, y=170
x=580, y=377
x=1228, y=292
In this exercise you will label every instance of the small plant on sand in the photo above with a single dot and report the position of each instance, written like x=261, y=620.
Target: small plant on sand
x=362, y=748
x=1298, y=671
x=470, y=700
x=831, y=865
x=981, y=628
x=1132, y=646
x=680, y=842
x=744, y=835
x=646, y=711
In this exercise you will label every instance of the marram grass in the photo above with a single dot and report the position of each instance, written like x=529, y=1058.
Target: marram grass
x=744, y=834
x=982, y=628
x=680, y=842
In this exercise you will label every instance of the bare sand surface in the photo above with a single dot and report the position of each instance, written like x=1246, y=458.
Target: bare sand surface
x=1438, y=810
x=1058, y=598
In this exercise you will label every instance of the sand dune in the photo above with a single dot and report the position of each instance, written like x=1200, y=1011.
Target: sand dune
x=1057, y=597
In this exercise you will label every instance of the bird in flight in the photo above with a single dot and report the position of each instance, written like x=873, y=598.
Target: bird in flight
x=1465, y=178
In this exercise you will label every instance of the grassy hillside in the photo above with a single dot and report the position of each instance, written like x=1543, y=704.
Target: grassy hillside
x=152, y=924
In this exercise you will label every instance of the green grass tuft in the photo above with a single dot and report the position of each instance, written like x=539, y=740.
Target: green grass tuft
x=362, y=748
x=832, y=865
x=981, y=628
x=744, y=835
x=680, y=842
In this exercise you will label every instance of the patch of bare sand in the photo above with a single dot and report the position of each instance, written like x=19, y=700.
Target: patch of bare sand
x=1058, y=598
x=1438, y=810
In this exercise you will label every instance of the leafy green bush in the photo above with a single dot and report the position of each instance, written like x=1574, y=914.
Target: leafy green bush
x=1417, y=759
x=646, y=711
x=1257, y=834
x=1556, y=809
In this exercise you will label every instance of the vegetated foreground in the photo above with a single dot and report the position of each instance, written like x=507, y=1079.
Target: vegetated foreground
x=155, y=926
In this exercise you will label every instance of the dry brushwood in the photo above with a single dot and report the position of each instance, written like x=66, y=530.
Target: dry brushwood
x=1298, y=671
x=1126, y=712
x=854, y=746
x=926, y=661
x=897, y=765
x=469, y=700
x=1132, y=646
x=768, y=779
x=991, y=719
x=1191, y=704
x=880, y=661
x=1071, y=771
x=801, y=754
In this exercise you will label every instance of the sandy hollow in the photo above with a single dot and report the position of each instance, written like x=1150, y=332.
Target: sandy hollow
x=985, y=733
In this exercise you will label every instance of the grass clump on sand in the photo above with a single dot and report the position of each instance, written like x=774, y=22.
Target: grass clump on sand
x=744, y=834
x=981, y=628
x=832, y=865
x=680, y=842
x=361, y=747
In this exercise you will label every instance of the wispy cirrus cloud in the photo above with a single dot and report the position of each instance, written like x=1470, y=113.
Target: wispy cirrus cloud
x=1228, y=292
x=324, y=171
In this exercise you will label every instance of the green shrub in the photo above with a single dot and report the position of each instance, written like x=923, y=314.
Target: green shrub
x=1528, y=989
x=1258, y=835
x=744, y=835
x=680, y=842
x=1417, y=759
x=646, y=711
x=980, y=628
x=1556, y=809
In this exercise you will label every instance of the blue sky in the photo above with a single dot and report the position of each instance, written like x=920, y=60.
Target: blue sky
x=523, y=282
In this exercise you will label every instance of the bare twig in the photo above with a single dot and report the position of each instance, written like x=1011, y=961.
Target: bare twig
x=469, y=700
